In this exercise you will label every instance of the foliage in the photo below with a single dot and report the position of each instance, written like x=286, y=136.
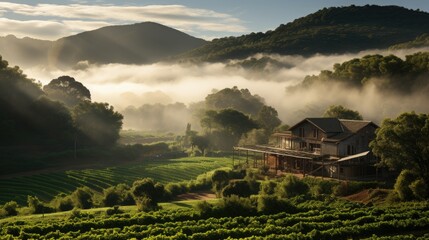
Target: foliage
x=219, y=180
x=387, y=73
x=202, y=142
x=83, y=198
x=409, y=186
x=63, y=202
x=268, y=187
x=268, y=118
x=98, y=123
x=327, y=31
x=36, y=206
x=418, y=42
x=338, y=111
x=241, y=188
x=291, y=186
x=117, y=195
x=9, y=209
x=402, y=143
x=324, y=218
x=269, y=204
x=67, y=90
x=240, y=100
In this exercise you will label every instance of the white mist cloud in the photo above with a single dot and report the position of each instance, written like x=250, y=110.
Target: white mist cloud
x=124, y=85
x=74, y=18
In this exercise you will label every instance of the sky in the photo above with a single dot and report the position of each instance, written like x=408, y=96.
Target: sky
x=51, y=20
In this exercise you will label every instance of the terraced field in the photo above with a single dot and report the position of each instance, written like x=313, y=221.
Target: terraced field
x=47, y=185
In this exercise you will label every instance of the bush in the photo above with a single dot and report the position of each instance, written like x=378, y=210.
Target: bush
x=240, y=188
x=402, y=185
x=268, y=187
x=9, y=209
x=419, y=189
x=272, y=204
x=146, y=204
x=114, y=210
x=37, y=206
x=291, y=186
x=83, y=198
x=234, y=206
x=174, y=189
x=62, y=202
x=118, y=195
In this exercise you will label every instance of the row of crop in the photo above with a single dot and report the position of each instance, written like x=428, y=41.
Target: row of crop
x=46, y=186
x=339, y=223
x=202, y=230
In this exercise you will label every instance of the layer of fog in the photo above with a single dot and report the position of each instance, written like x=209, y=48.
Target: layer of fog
x=165, y=83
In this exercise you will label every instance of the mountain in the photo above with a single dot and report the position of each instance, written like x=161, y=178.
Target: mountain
x=138, y=43
x=327, y=31
x=25, y=52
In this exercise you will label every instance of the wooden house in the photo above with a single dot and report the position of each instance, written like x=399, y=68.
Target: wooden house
x=327, y=147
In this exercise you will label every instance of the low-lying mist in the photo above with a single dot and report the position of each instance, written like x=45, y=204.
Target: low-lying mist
x=129, y=87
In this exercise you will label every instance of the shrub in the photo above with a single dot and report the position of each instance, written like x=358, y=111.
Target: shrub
x=118, y=195
x=419, y=189
x=175, y=189
x=402, y=185
x=114, y=210
x=146, y=204
x=234, y=206
x=269, y=204
x=9, y=209
x=62, y=202
x=291, y=186
x=37, y=206
x=240, y=188
x=83, y=198
x=268, y=187
x=204, y=208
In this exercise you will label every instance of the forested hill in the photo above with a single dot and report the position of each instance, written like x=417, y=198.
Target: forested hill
x=139, y=43
x=330, y=30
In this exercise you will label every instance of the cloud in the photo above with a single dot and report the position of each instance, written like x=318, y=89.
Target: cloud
x=72, y=18
x=124, y=85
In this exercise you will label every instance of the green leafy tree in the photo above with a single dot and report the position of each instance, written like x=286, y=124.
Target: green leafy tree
x=338, y=111
x=235, y=122
x=403, y=143
x=67, y=90
x=98, y=123
x=202, y=142
x=268, y=118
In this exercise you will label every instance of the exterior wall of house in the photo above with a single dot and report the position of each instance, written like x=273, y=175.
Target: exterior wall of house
x=357, y=143
x=329, y=149
x=309, y=131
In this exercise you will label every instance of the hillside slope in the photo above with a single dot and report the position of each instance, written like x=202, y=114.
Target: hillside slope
x=138, y=43
x=327, y=31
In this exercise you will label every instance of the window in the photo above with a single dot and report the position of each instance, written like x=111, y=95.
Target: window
x=315, y=133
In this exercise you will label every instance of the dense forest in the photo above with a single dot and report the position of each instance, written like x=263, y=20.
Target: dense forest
x=327, y=31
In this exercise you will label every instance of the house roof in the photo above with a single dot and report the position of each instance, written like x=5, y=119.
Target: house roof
x=338, y=129
x=327, y=125
x=355, y=125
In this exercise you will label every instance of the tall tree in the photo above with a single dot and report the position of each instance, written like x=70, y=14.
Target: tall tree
x=268, y=118
x=338, y=111
x=98, y=123
x=403, y=143
x=67, y=90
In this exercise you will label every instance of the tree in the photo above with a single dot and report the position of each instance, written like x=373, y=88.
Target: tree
x=67, y=90
x=98, y=123
x=268, y=118
x=403, y=143
x=338, y=111
x=234, y=122
x=202, y=142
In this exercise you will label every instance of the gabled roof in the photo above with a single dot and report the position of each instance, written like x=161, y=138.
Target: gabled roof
x=327, y=125
x=355, y=125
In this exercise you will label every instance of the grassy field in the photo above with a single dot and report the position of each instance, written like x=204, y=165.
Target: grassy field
x=48, y=185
